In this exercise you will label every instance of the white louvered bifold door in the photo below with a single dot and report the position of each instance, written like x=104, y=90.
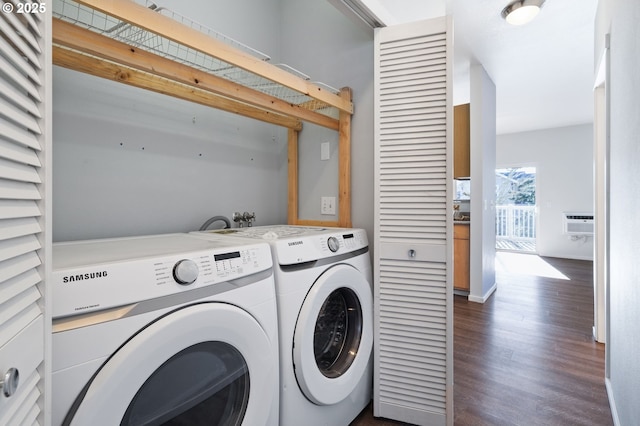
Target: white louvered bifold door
x=413, y=375
x=24, y=129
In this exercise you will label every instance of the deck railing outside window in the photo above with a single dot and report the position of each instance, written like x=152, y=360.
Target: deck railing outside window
x=516, y=222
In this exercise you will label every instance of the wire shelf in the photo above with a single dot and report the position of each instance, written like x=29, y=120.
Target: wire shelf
x=88, y=18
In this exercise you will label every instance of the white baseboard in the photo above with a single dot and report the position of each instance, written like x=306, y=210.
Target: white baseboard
x=612, y=402
x=565, y=256
x=485, y=297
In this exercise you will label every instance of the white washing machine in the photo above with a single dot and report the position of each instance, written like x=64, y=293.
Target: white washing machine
x=165, y=329
x=325, y=317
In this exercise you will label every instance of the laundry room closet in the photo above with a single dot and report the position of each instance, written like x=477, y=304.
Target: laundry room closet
x=128, y=161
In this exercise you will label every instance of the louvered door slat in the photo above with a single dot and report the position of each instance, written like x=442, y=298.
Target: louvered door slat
x=15, y=306
x=18, y=265
x=21, y=118
x=18, y=172
x=20, y=99
x=18, y=284
x=412, y=268
x=18, y=41
x=397, y=298
x=18, y=246
x=21, y=67
x=13, y=133
x=18, y=190
x=20, y=28
x=18, y=227
x=24, y=248
x=10, y=209
x=28, y=412
x=404, y=286
x=392, y=98
x=432, y=50
x=425, y=82
x=32, y=20
x=401, y=333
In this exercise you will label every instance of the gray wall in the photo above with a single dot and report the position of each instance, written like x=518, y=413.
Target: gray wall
x=317, y=37
x=153, y=170
x=563, y=158
x=620, y=18
x=132, y=162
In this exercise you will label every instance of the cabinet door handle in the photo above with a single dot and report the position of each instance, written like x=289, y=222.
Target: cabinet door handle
x=412, y=253
x=9, y=382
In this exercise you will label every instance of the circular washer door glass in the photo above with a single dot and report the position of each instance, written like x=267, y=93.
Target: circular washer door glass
x=207, y=383
x=333, y=336
x=338, y=332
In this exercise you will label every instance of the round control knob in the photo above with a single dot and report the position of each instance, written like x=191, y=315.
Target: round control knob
x=333, y=244
x=185, y=271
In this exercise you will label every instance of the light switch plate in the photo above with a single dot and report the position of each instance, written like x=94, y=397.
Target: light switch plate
x=325, y=151
x=328, y=205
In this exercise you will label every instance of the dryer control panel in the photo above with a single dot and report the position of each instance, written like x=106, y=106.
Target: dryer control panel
x=307, y=248
x=100, y=274
x=298, y=244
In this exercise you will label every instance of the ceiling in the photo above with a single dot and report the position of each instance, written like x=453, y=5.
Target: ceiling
x=543, y=71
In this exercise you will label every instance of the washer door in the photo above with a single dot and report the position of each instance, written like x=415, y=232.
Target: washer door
x=209, y=363
x=334, y=335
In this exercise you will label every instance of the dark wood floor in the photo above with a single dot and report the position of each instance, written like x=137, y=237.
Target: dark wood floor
x=527, y=356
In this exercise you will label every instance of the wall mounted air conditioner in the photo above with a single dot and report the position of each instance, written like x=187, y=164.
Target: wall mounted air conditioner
x=578, y=223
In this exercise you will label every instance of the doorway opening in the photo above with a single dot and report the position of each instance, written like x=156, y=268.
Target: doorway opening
x=516, y=209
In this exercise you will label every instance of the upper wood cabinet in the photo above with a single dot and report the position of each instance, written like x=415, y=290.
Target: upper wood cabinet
x=461, y=141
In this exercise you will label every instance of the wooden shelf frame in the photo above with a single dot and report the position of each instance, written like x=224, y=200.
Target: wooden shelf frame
x=87, y=51
x=344, y=174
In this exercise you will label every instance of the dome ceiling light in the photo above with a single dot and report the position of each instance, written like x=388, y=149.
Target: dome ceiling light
x=521, y=12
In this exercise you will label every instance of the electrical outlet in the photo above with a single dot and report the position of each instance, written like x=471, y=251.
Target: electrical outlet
x=328, y=205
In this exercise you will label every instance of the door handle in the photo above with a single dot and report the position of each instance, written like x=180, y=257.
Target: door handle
x=9, y=382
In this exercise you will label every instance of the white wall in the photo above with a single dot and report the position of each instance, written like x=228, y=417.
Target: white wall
x=621, y=18
x=563, y=158
x=483, y=192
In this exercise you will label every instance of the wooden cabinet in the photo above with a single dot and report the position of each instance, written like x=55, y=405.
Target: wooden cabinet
x=461, y=257
x=461, y=141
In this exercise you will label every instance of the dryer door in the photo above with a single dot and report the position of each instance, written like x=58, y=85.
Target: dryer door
x=209, y=363
x=334, y=335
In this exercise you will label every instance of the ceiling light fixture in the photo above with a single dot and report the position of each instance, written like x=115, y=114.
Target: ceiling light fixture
x=521, y=12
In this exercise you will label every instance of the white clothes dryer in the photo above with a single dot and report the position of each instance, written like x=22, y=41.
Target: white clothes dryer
x=325, y=319
x=165, y=329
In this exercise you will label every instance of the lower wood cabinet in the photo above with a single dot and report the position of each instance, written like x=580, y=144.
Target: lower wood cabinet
x=461, y=257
